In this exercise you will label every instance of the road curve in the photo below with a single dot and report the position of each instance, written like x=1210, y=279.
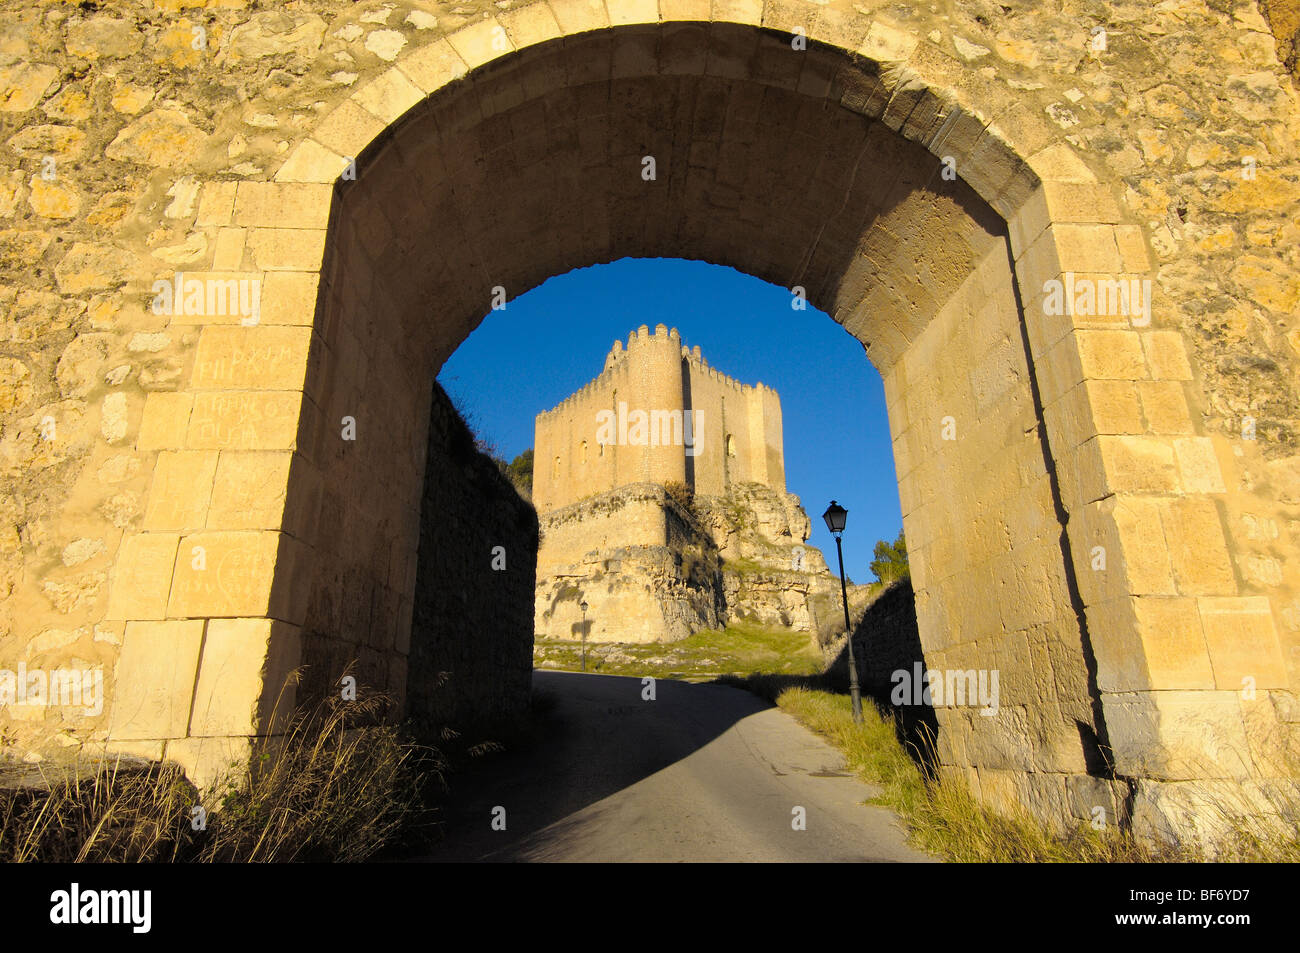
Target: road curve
x=701, y=773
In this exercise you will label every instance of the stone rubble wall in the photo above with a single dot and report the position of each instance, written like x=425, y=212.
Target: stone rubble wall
x=139, y=140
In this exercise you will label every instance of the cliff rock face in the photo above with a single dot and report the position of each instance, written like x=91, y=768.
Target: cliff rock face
x=769, y=575
x=655, y=568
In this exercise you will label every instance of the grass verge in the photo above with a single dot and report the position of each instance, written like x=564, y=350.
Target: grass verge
x=944, y=818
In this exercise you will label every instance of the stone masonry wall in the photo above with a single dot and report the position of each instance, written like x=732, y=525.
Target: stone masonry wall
x=885, y=641
x=992, y=590
x=164, y=474
x=472, y=621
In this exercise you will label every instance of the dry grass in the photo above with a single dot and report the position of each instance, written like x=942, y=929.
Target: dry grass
x=337, y=786
x=117, y=813
x=944, y=817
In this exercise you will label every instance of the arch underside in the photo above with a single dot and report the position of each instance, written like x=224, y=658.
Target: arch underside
x=537, y=164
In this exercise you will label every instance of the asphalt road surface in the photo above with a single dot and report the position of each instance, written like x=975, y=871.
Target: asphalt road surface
x=701, y=773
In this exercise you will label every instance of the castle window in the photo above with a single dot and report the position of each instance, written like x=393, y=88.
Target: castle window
x=731, y=445
x=582, y=452
x=555, y=469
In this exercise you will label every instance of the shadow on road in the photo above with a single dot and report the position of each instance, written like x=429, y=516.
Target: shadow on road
x=600, y=737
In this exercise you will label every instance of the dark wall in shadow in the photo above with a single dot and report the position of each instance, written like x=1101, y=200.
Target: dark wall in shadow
x=886, y=640
x=473, y=612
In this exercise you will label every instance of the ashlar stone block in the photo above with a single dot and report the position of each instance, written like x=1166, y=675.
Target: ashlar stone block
x=154, y=680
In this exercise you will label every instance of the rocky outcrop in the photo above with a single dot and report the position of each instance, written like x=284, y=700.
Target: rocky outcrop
x=770, y=575
x=640, y=562
x=654, y=568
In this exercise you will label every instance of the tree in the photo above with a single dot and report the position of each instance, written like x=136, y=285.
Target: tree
x=520, y=471
x=890, y=563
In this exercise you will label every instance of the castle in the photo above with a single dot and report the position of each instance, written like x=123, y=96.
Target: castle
x=652, y=563
x=657, y=413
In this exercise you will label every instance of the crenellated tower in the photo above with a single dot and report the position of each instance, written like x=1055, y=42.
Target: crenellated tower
x=657, y=413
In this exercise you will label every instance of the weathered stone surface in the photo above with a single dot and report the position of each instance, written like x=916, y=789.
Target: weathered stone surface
x=15, y=384
x=113, y=418
x=164, y=137
x=79, y=364
x=49, y=139
x=20, y=248
x=276, y=32
x=103, y=37
x=71, y=104
x=385, y=44
x=21, y=87
x=155, y=680
x=130, y=99
x=51, y=200
x=89, y=267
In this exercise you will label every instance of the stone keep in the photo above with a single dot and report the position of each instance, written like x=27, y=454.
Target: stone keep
x=735, y=428
x=650, y=567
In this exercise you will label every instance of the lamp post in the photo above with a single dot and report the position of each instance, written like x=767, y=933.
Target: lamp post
x=583, y=607
x=836, y=516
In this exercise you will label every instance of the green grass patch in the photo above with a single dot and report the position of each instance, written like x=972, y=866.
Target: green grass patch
x=739, y=649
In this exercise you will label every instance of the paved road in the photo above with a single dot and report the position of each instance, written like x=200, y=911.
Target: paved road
x=702, y=773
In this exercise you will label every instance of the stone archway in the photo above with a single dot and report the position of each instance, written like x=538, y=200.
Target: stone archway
x=1025, y=439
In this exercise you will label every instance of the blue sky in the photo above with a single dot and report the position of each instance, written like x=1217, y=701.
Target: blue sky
x=832, y=400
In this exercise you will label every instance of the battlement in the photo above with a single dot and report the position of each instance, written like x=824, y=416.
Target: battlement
x=657, y=412
x=620, y=355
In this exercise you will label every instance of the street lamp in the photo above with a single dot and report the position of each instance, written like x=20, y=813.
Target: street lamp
x=583, y=607
x=836, y=516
